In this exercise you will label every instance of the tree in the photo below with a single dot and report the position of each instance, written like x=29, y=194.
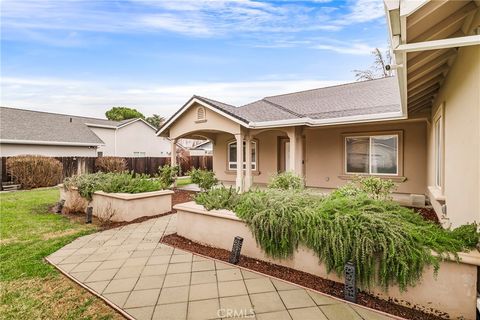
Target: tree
x=156, y=120
x=123, y=113
x=377, y=70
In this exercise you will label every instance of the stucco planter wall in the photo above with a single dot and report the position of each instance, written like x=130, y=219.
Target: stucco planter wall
x=119, y=206
x=452, y=292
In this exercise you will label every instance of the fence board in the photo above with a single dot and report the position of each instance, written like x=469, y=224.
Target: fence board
x=146, y=165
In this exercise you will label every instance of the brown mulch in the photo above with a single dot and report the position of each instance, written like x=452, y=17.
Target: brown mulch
x=306, y=280
x=427, y=213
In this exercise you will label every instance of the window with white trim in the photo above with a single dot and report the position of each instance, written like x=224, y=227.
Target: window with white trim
x=232, y=155
x=373, y=154
x=438, y=132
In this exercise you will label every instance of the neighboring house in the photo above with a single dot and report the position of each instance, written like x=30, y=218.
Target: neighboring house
x=421, y=129
x=202, y=149
x=60, y=135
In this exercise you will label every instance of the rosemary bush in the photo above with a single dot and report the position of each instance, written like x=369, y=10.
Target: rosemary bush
x=286, y=181
x=389, y=244
x=204, y=178
x=126, y=182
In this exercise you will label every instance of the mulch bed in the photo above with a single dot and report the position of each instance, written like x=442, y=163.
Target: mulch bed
x=427, y=213
x=304, y=279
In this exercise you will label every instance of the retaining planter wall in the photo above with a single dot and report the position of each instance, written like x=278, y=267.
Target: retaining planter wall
x=119, y=206
x=452, y=292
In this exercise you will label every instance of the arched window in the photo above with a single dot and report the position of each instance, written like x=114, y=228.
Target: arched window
x=200, y=113
x=232, y=155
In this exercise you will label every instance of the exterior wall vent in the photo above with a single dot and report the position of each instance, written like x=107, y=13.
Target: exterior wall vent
x=201, y=113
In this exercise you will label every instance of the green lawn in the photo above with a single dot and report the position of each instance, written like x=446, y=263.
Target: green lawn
x=31, y=288
x=183, y=181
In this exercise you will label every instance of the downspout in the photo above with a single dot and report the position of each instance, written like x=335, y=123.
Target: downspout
x=115, y=143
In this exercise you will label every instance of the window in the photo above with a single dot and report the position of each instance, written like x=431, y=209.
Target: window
x=139, y=154
x=232, y=155
x=200, y=113
x=376, y=155
x=438, y=132
x=100, y=154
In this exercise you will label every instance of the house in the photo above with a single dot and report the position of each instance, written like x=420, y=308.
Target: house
x=420, y=129
x=202, y=149
x=60, y=135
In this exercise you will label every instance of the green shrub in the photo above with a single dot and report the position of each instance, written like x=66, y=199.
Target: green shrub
x=389, y=244
x=373, y=187
x=286, y=181
x=125, y=182
x=204, y=178
x=168, y=174
x=218, y=198
x=35, y=171
x=111, y=164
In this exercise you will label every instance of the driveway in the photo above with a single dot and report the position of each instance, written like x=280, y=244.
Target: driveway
x=144, y=279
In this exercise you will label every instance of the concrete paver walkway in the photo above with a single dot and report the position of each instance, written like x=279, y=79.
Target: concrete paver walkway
x=130, y=269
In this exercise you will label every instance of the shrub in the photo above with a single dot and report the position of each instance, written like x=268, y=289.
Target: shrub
x=218, y=198
x=125, y=182
x=286, y=181
x=204, y=178
x=35, y=171
x=111, y=164
x=168, y=174
x=388, y=243
x=373, y=187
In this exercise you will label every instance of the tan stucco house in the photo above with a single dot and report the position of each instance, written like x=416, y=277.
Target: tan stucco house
x=420, y=128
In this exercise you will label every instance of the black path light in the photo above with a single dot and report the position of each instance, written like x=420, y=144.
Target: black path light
x=350, y=283
x=88, y=217
x=236, y=248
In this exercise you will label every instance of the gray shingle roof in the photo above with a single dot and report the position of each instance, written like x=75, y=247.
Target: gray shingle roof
x=28, y=125
x=352, y=99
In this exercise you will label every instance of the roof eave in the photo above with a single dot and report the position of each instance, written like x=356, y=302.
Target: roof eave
x=329, y=122
x=52, y=143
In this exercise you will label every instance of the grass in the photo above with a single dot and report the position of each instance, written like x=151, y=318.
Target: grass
x=183, y=181
x=30, y=287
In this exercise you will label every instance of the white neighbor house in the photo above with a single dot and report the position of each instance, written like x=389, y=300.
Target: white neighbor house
x=60, y=135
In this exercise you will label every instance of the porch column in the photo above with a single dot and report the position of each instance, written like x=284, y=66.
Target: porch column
x=296, y=151
x=239, y=180
x=248, y=163
x=173, y=152
x=292, y=136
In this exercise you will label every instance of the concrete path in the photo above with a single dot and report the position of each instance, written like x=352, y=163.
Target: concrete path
x=144, y=279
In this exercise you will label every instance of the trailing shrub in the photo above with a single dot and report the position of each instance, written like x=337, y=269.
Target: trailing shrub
x=125, y=182
x=168, y=174
x=35, y=171
x=111, y=164
x=286, y=181
x=205, y=179
x=389, y=244
x=373, y=187
x=218, y=198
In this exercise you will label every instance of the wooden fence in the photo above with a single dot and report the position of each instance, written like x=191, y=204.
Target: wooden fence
x=147, y=165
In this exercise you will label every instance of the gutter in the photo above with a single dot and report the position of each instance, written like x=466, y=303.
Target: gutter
x=52, y=143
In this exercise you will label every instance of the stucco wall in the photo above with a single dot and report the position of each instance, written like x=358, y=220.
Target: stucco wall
x=135, y=137
x=324, y=154
x=8, y=150
x=214, y=122
x=108, y=137
x=267, y=149
x=138, y=137
x=460, y=96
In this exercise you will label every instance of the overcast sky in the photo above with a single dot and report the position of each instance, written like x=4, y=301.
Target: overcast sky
x=83, y=57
